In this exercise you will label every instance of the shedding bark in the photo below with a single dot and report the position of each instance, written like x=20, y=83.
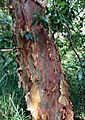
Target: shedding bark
x=39, y=66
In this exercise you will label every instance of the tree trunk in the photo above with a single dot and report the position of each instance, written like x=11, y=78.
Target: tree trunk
x=39, y=66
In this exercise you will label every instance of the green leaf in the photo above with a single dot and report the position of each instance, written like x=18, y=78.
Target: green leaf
x=2, y=78
x=63, y=3
x=45, y=25
x=80, y=75
x=83, y=63
x=0, y=39
x=28, y=36
x=34, y=22
x=45, y=19
x=31, y=37
x=7, y=63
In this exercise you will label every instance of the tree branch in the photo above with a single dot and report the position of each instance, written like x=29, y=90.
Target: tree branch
x=71, y=43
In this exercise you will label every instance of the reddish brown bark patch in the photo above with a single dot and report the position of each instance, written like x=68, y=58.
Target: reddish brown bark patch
x=39, y=71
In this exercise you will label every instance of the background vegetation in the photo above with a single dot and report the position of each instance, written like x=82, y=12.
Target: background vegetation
x=65, y=22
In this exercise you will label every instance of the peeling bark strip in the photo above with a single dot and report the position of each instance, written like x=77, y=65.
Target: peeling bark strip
x=39, y=66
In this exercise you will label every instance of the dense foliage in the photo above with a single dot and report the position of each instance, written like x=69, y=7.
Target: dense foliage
x=11, y=97
x=65, y=22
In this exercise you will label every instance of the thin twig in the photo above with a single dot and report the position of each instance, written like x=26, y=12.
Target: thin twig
x=9, y=50
x=6, y=50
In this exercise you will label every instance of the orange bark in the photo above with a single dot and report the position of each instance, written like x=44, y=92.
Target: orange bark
x=40, y=72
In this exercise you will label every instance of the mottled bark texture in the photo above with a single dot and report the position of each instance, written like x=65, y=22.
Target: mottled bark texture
x=39, y=66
